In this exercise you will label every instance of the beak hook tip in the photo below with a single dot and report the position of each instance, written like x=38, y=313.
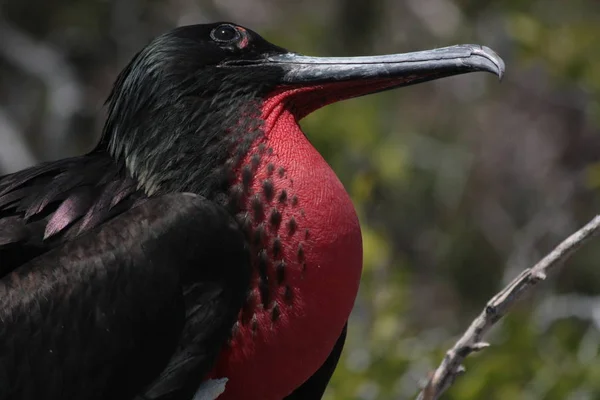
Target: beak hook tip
x=492, y=56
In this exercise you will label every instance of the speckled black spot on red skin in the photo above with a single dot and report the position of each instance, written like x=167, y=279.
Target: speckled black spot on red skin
x=275, y=218
x=276, y=247
x=259, y=236
x=263, y=263
x=292, y=226
x=280, y=272
x=257, y=208
x=248, y=310
x=254, y=324
x=300, y=252
x=268, y=189
x=281, y=171
x=294, y=200
x=261, y=148
x=270, y=151
x=303, y=268
x=283, y=196
x=275, y=313
x=270, y=168
x=265, y=294
x=236, y=194
x=255, y=160
x=306, y=234
x=245, y=222
x=288, y=295
x=228, y=173
x=242, y=149
x=263, y=282
x=246, y=178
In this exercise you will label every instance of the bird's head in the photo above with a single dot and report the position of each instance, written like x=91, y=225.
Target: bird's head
x=190, y=104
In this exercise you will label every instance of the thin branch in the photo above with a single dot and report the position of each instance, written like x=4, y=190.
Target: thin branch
x=471, y=341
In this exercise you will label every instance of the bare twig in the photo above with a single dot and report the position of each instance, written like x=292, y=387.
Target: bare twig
x=471, y=341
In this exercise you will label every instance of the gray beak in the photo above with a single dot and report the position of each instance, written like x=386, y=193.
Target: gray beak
x=408, y=68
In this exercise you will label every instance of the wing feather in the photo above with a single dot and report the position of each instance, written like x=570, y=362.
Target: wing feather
x=101, y=316
x=47, y=205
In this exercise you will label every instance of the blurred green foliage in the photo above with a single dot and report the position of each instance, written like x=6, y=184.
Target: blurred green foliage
x=459, y=184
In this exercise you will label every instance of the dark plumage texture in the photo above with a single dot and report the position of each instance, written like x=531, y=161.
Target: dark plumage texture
x=140, y=278
x=47, y=205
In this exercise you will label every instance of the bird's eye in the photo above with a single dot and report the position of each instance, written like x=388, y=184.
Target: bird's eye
x=225, y=34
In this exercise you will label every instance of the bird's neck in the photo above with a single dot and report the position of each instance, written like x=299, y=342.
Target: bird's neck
x=187, y=146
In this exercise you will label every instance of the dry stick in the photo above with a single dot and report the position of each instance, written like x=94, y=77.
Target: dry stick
x=471, y=341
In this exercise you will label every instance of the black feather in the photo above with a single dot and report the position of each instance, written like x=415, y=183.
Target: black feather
x=44, y=204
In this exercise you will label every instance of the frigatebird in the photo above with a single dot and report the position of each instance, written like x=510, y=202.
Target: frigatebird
x=203, y=237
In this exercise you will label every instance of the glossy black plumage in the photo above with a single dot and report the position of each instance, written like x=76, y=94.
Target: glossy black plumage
x=99, y=317
x=46, y=205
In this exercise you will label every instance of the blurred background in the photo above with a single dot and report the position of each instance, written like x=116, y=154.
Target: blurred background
x=459, y=183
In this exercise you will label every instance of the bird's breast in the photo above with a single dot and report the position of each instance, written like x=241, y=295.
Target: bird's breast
x=307, y=257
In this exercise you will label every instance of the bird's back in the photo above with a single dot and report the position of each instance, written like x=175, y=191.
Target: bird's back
x=48, y=204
